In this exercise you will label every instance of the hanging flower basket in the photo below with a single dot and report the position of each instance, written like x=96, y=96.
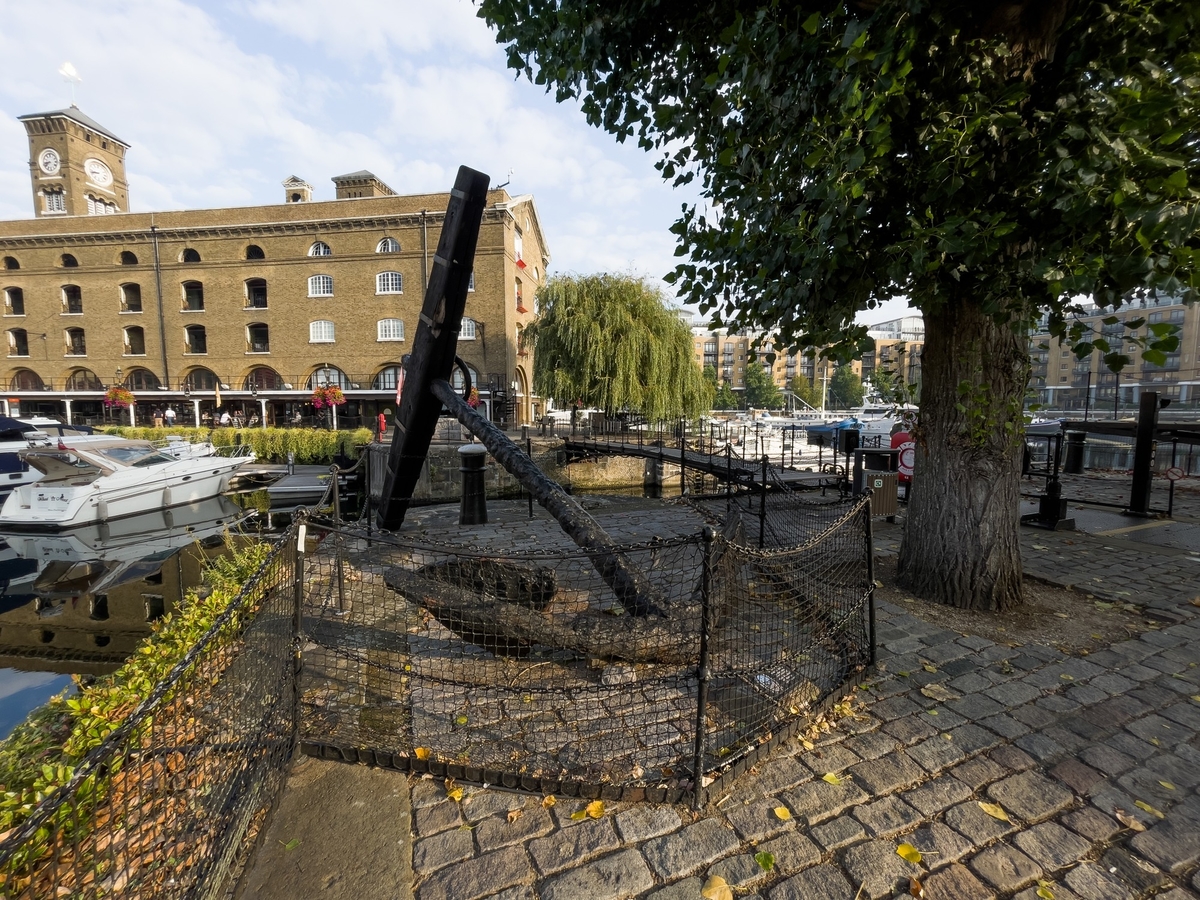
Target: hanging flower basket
x=327, y=396
x=473, y=398
x=119, y=397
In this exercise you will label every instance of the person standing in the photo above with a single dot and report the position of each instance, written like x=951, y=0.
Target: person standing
x=158, y=417
x=169, y=417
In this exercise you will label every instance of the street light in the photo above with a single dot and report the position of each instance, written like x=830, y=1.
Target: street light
x=118, y=375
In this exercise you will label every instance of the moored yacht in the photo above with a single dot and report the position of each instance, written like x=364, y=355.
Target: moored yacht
x=99, y=480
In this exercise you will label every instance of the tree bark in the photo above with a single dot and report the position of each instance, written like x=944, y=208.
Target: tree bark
x=961, y=546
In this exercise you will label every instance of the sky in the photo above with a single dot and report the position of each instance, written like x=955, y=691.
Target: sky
x=221, y=101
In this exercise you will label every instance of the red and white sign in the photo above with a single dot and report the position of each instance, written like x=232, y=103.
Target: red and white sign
x=908, y=453
x=1174, y=473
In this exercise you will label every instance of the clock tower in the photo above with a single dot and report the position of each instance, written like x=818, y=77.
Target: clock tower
x=76, y=165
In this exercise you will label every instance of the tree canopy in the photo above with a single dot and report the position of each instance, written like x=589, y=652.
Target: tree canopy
x=723, y=395
x=761, y=391
x=845, y=388
x=989, y=160
x=610, y=341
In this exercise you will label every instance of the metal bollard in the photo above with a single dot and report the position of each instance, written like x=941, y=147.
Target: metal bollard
x=473, y=510
x=1073, y=465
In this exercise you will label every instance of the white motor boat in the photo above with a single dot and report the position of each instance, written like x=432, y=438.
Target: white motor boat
x=92, y=480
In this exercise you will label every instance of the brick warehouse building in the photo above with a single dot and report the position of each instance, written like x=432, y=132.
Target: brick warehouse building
x=250, y=306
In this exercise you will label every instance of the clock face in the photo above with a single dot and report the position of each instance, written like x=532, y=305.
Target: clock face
x=48, y=161
x=97, y=172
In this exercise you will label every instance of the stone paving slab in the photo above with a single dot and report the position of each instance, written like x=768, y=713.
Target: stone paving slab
x=1077, y=767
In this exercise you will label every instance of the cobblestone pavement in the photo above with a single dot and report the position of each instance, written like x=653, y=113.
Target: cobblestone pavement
x=1095, y=762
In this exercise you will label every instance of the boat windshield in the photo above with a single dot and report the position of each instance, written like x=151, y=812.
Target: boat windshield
x=136, y=456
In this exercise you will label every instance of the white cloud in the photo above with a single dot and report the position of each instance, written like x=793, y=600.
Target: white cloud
x=221, y=103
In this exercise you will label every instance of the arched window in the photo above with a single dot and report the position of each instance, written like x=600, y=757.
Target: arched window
x=128, y=259
x=131, y=298
x=320, y=286
x=389, y=330
x=10, y=263
x=200, y=379
x=26, y=380
x=329, y=375
x=142, y=380
x=264, y=378
x=256, y=293
x=386, y=379
x=72, y=300
x=135, y=341
x=84, y=380
x=193, y=296
x=255, y=252
x=189, y=256
x=18, y=342
x=320, y=332
x=76, y=343
x=320, y=248
x=195, y=339
x=14, y=301
x=388, y=245
x=389, y=283
x=69, y=261
x=258, y=338
x=456, y=378
x=466, y=331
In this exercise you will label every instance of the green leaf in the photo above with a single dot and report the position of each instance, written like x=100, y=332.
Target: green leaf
x=812, y=23
x=765, y=860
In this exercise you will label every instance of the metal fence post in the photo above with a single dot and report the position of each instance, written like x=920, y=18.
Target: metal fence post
x=301, y=530
x=529, y=453
x=870, y=577
x=337, y=524
x=762, y=506
x=703, y=674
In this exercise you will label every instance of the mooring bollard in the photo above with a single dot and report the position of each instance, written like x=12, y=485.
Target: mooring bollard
x=474, y=495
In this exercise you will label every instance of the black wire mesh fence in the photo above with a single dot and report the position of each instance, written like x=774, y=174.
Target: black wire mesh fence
x=169, y=803
x=447, y=651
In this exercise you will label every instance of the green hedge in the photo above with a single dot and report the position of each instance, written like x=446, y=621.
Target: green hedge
x=311, y=445
x=41, y=754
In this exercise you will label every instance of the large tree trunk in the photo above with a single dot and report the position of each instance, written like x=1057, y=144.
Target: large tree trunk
x=961, y=544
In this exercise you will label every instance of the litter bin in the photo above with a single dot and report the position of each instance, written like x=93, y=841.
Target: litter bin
x=1073, y=464
x=869, y=460
x=884, y=487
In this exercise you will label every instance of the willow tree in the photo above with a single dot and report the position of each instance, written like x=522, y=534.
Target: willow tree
x=988, y=159
x=609, y=341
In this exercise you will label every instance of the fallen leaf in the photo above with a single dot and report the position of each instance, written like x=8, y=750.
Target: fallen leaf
x=903, y=674
x=929, y=667
x=1196, y=697
x=595, y=809
x=548, y=801
x=939, y=692
x=716, y=889
x=782, y=813
x=909, y=852
x=1128, y=821
x=1143, y=805
x=1062, y=615
x=453, y=791
x=765, y=860
x=292, y=844
x=915, y=888
x=1044, y=891
x=1167, y=785
x=807, y=744
x=995, y=810
x=579, y=815
x=1065, y=677
x=831, y=778
x=932, y=712
x=947, y=736
x=1155, y=742
x=461, y=719
x=514, y=814
x=422, y=752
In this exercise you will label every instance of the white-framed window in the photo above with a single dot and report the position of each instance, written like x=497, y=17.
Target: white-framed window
x=518, y=242
x=389, y=283
x=320, y=286
x=320, y=248
x=471, y=281
x=466, y=331
x=389, y=330
x=320, y=332
x=55, y=201
x=388, y=245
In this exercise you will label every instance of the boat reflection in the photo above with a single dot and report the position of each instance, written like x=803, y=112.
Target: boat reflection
x=79, y=601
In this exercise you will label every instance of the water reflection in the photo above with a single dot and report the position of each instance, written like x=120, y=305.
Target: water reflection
x=79, y=601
